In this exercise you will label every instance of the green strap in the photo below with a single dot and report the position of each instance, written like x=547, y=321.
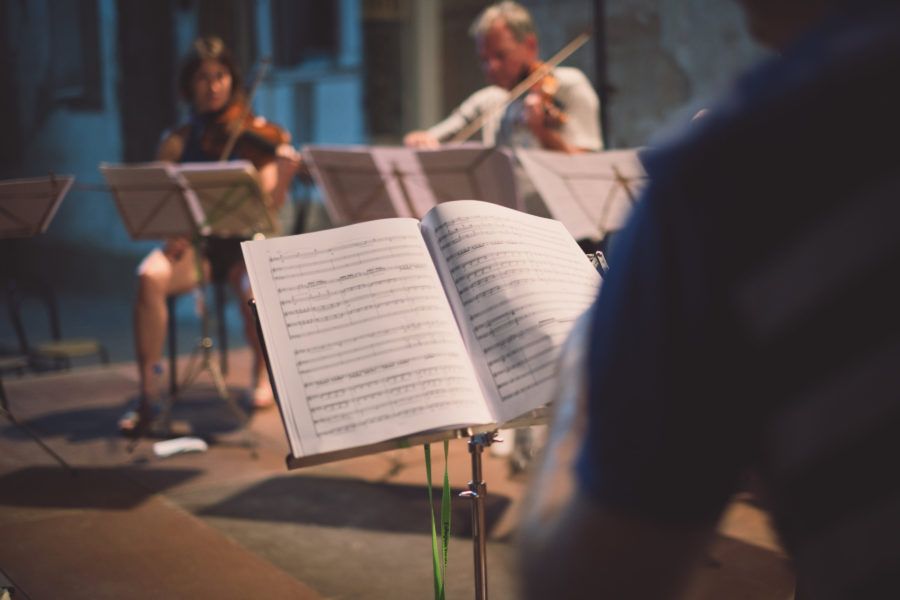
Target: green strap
x=445, y=510
x=440, y=570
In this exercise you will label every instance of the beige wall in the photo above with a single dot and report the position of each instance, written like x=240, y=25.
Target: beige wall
x=667, y=59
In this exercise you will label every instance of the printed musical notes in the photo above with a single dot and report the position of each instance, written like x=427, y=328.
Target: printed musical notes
x=386, y=329
x=370, y=333
x=520, y=288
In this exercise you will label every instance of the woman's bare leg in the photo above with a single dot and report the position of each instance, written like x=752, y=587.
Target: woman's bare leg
x=159, y=275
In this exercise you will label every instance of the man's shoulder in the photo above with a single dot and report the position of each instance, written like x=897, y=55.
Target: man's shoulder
x=490, y=93
x=574, y=86
x=570, y=75
x=483, y=100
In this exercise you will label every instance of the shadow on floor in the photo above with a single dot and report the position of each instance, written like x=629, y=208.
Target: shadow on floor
x=107, y=488
x=337, y=503
x=206, y=415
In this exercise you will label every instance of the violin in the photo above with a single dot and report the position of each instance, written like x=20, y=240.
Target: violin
x=236, y=131
x=542, y=95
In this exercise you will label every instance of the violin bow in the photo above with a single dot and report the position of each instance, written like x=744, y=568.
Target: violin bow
x=522, y=87
x=232, y=139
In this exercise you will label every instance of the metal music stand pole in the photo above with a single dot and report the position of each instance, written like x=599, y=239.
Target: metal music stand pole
x=477, y=492
x=203, y=352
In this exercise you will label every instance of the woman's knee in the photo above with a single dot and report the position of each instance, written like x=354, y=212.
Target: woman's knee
x=154, y=274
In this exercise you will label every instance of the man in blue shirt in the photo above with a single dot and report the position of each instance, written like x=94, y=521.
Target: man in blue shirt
x=749, y=323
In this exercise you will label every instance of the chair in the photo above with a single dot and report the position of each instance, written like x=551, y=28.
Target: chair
x=10, y=364
x=58, y=351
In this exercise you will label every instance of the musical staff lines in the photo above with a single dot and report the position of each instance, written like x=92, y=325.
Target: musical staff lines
x=371, y=332
x=510, y=276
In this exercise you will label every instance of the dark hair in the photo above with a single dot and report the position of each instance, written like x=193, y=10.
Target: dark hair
x=209, y=47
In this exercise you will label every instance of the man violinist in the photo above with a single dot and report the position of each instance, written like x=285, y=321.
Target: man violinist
x=507, y=44
x=210, y=81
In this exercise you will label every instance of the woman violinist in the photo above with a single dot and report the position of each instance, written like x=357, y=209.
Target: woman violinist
x=210, y=81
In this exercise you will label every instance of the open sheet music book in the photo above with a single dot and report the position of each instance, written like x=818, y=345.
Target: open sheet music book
x=390, y=328
x=162, y=199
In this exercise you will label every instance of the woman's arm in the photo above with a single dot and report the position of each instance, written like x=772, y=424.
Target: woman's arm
x=276, y=176
x=171, y=148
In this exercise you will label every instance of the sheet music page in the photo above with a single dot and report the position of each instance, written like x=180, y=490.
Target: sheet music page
x=521, y=283
x=153, y=199
x=591, y=193
x=362, y=343
x=405, y=180
x=27, y=205
x=470, y=172
x=363, y=183
x=231, y=197
x=420, y=179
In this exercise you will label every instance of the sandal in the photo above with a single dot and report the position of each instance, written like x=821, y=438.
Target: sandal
x=136, y=422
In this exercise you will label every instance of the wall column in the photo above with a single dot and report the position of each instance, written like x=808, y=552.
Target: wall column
x=427, y=62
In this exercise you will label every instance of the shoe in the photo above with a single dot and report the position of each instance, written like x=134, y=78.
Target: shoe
x=263, y=397
x=135, y=422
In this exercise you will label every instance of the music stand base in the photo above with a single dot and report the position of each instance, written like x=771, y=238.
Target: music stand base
x=202, y=361
x=4, y=411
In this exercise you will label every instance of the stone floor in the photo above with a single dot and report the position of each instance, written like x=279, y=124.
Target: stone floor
x=233, y=522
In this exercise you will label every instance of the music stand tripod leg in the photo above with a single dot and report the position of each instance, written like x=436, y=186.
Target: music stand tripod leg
x=215, y=371
x=218, y=378
x=477, y=492
x=202, y=360
x=4, y=411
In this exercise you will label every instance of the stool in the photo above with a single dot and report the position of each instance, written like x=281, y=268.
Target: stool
x=52, y=350
x=219, y=297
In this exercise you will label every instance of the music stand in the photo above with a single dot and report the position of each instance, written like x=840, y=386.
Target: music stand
x=479, y=438
x=230, y=194
x=592, y=194
x=26, y=208
x=153, y=200
x=362, y=183
x=28, y=205
x=158, y=200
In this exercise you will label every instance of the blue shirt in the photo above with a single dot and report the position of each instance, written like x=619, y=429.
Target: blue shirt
x=751, y=317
